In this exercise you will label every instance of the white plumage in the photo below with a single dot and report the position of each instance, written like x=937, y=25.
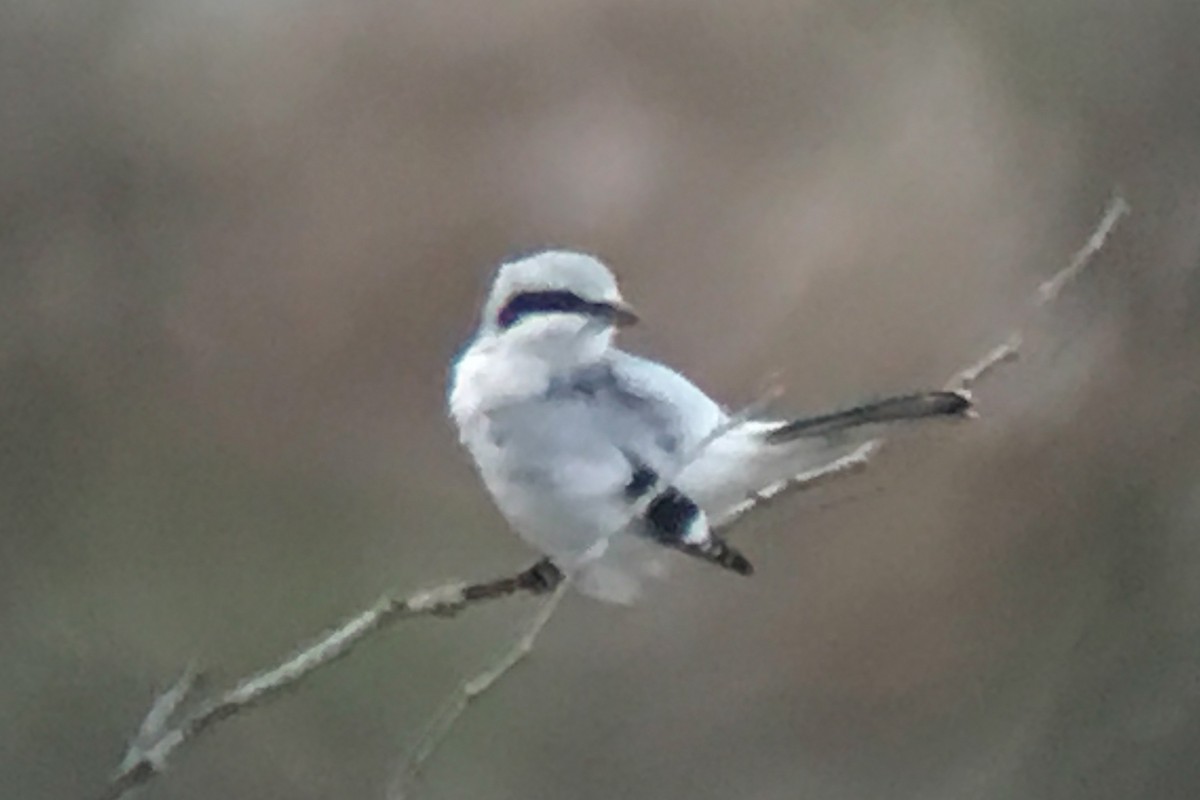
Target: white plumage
x=599, y=458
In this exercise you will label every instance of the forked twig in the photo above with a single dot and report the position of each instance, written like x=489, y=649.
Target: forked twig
x=164, y=730
x=439, y=727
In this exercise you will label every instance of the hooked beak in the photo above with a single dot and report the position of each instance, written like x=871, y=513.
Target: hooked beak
x=622, y=314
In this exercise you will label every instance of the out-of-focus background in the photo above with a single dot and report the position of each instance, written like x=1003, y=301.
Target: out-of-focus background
x=240, y=243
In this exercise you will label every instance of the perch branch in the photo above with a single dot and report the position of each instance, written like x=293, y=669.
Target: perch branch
x=467, y=692
x=164, y=730
x=167, y=726
x=439, y=728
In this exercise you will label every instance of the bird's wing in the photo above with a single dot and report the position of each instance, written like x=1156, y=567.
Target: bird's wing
x=583, y=454
x=721, y=461
x=718, y=463
x=600, y=453
x=659, y=421
x=665, y=400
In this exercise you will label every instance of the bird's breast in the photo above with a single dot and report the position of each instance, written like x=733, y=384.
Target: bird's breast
x=485, y=379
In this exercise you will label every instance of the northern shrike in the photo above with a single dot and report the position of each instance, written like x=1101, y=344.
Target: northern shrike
x=599, y=458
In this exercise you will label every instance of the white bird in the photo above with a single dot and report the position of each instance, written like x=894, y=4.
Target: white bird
x=599, y=458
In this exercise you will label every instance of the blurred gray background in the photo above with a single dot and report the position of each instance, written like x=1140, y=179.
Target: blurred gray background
x=241, y=242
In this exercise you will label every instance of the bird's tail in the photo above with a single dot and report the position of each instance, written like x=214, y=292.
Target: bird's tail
x=758, y=454
x=893, y=409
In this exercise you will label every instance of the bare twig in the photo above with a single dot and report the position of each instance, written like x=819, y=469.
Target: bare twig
x=454, y=707
x=853, y=462
x=158, y=739
x=154, y=726
x=439, y=727
x=167, y=727
x=1000, y=354
x=1049, y=290
x=962, y=381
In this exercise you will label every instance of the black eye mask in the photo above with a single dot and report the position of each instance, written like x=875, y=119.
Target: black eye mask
x=522, y=305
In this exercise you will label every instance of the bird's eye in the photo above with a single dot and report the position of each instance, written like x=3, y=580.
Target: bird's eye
x=526, y=303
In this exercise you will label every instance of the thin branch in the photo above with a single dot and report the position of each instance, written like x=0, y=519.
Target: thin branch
x=467, y=692
x=164, y=708
x=167, y=726
x=439, y=728
x=962, y=381
x=998, y=355
x=156, y=742
x=853, y=462
x=1049, y=290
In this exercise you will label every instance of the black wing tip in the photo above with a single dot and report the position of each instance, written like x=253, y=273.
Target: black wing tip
x=717, y=551
x=729, y=557
x=738, y=563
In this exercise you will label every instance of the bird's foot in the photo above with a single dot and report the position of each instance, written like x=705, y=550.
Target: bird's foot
x=542, y=578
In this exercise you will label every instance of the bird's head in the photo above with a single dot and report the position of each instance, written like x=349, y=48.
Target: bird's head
x=557, y=304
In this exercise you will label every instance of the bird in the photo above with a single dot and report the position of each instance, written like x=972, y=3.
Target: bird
x=603, y=460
